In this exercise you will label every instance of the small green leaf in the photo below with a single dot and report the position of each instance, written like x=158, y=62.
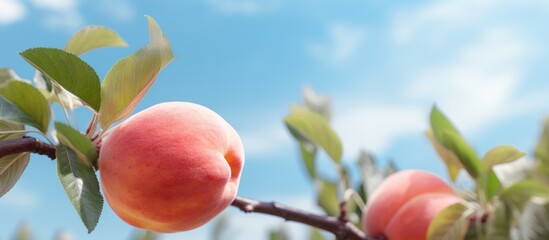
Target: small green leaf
x=11, y=166
x=519, y=193
x=327, y=197
x=316, y=129
x=308, y=154
x=391, y=168
x=440, y=124
x=145, y=235
x=534, y=220
x=129, y=79
x=499, y=222
x=221, y=228
x=450, y=224
x=278, y=234
x=92, y=37
x=77, y=142
x=69, y=71
x=446, y=134
x=23, y=103
x=316, y=234
x=23, y=232
x=465, y=153
x=371, y=173
x=542, y=149
x=499, y=155
x=490, y=184
x=453, y=165
x=81, y=185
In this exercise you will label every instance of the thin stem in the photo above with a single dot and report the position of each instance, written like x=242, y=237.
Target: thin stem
x=92, y=127
x=26, y=144
x=341, y=229
x=351, y=194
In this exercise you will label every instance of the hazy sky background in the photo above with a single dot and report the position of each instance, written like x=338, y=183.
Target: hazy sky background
x=383, y=63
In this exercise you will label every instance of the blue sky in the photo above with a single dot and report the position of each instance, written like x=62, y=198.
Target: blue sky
x=382, y=63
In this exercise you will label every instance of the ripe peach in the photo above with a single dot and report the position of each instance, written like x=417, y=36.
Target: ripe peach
x=412, y=220
x=394, y=193
x=171, y=167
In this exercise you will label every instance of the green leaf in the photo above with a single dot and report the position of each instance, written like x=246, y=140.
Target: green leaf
x=534, y=220
x=92, y=37
x=447, y=135
x=499, y=155
x=440, y=124
x=129, y=79
x=221, y=227
x=542, y=149
x=450, y=224
x=11, y=166
x=145, y=235
x=453, y=165
x=308, y=154
x=465, y=153
x=278, y=234
x=327, y=197
x=23, y=232
x=371, y=174
x=23, y=103
x=518, y=194
x=77, y=142
x=316, y=234
x=54, y=92
x=490, y=184
x=391, y=168
x=81, y=185
x=316, y=129
x=69, y=71
x=499, y=222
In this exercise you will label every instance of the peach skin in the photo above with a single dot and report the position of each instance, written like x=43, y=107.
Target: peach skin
x=171, y=167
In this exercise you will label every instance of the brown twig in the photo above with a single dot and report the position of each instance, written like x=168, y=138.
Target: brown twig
x=26, y=144
x=341, y=229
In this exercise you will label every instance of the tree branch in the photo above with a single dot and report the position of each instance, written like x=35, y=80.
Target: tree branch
x=26, y=144
x=341, y=229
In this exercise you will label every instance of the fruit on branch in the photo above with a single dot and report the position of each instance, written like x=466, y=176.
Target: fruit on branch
x=171, y=167
x=404, y=204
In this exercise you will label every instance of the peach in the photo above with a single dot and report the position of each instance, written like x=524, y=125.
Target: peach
x=171, y=167
x=412, y=220
x=394, y=193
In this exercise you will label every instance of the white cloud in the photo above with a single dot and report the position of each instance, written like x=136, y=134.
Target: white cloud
x=21, y=198
x=375, y=128
x=479, y=87
x=60, y=14
x=343, y=44
x=11, y=11
x=56, y=5
x=118, y=9
x=265, y=140
x=446, y=14
x=243, y=6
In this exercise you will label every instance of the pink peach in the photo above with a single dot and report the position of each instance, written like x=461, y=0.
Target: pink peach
x=394, y=193
x=171, y=167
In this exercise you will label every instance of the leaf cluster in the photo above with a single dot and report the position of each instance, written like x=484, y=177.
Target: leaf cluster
x=62, y=77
